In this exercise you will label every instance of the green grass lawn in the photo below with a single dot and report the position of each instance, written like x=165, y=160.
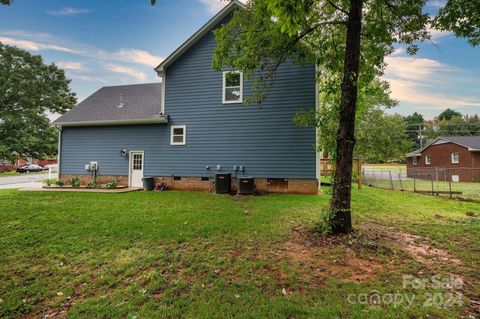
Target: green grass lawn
x=465, y=190
x=11, y=173
x=199, y=255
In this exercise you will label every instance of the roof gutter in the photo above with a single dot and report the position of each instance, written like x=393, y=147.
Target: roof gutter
x=159, y=120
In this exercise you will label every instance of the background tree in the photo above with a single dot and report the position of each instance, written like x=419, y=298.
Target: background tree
x=462, y=17
x=29, y=89
x=382, y=137
x=448, y=114
x=452, y=123
x=414, y=130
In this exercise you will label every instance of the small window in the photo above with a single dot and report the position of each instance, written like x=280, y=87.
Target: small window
x=232, y=87
x=137, y=161
x=177, y=178
x=178, y=135
x=455, y=158
x=205, y=178
x=428, y=160
x=414, y=160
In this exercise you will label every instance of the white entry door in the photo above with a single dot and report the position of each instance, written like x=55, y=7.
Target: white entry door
x=136, y=169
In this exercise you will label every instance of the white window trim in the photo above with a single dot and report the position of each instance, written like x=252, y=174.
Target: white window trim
x=223, y=88
x=428, y=160
x=458, y=158
x=414, y=161
x=184, y=142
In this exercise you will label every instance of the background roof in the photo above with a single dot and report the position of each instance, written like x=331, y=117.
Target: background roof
x=469, y=141
x=141, y=101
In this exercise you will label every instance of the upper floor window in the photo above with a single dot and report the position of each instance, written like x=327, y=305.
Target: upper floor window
x=414, y=160
x=232, y=87
x=455, y=158
x=428, y=160
x=178, y=135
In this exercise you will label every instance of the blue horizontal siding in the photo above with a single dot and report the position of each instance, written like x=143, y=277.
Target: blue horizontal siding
x=263, y=138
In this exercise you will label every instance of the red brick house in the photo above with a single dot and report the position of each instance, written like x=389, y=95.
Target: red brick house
x=455, y=158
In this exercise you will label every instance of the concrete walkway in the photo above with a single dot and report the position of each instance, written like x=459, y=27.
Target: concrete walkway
x=33, y=186
x=38, y=187
x=25, y=178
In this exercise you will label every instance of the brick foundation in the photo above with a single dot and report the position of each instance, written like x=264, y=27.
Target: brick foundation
x=262, y=185
x=195, y=183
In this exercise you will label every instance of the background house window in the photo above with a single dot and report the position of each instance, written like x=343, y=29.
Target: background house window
x=232, y=87
x=428, y=160
x=178, y=135
x=414, y=160
x=455, y=158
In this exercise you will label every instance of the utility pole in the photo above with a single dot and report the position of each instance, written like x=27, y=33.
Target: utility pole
x=420, y=135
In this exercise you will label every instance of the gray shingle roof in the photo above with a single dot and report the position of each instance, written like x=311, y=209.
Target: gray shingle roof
x=140, y=102
x=472, y=142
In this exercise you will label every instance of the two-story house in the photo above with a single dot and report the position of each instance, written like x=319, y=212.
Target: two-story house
x=455, y=158
x=194, y=124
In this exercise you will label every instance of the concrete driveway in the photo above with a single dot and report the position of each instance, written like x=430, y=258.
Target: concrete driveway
x=27, y=180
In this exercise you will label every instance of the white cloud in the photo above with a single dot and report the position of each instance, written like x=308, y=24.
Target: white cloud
x=23, y=33
x=36, y=46
x=67, y=65
x=45, y=41
x=436, y=3
x=213, y=6
x=68, y=11
x=89, y=78
x=411, y=68
x=414, y=93
x=398, y=51
x=137, y=56
x=134, y=73
x=437, y=34
x=426, y=83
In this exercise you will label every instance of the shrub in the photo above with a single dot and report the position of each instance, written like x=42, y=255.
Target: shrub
x=75, y=181
x=93, y=185
x=323, y=226
x=50, y=181
x=113, y=183
x=59, y=182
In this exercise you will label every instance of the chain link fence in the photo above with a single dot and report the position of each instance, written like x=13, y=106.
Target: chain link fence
x=463, y=183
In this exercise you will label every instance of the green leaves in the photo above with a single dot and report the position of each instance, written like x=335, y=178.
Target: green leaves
x=462, y=17
x=29, y=90
x=377, y=133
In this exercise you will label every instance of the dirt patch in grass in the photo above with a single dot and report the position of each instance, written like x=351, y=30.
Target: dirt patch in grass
x=415, y=246
x=344, y=257
x=315, y=263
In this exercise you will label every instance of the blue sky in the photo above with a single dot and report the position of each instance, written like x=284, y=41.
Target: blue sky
x=115, y=42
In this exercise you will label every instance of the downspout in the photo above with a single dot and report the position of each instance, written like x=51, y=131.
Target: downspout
x=162, y=76
x=317, y=132
x=59, y=149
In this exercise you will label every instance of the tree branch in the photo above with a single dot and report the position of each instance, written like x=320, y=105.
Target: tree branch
x=337, y=7
x=392, y=8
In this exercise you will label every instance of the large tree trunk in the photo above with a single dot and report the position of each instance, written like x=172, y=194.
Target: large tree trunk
x=340, y=203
